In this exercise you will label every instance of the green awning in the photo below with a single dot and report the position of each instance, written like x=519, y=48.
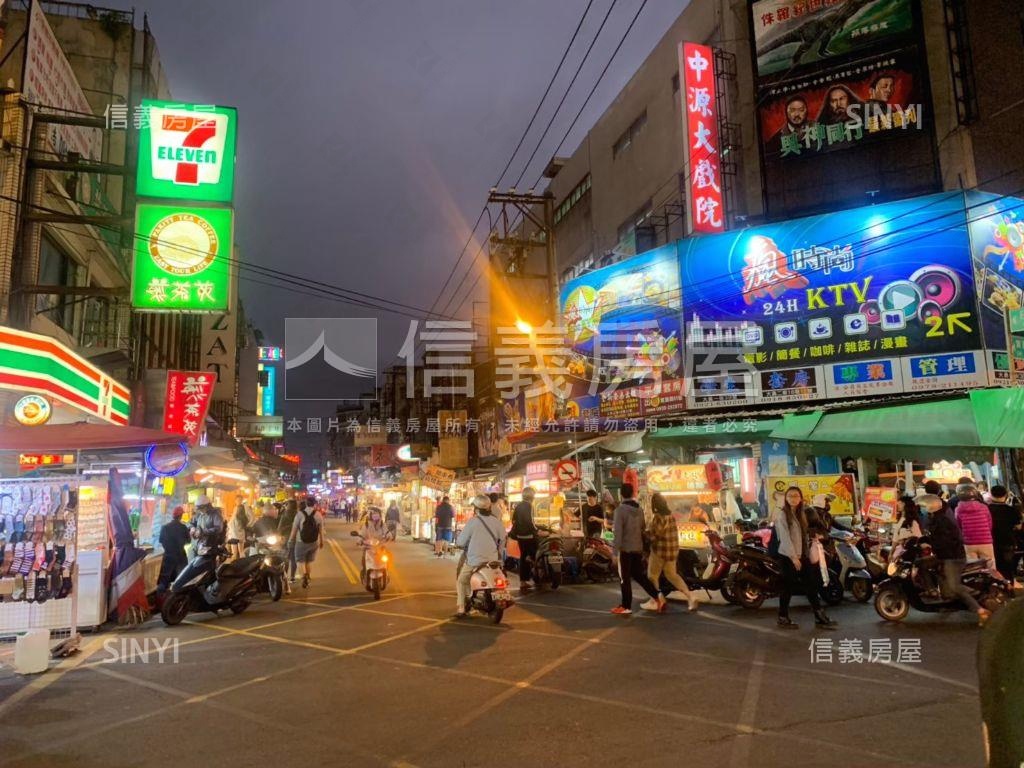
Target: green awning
x=990, y=418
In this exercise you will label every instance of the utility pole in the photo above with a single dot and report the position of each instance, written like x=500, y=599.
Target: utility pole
x=538, y=211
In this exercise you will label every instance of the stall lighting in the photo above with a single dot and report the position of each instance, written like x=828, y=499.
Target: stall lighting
x=680, y=493
x=225, y=473
x=120, y=470
x=643, y=461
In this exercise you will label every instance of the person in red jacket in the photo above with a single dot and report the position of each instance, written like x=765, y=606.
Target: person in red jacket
x=975, y=523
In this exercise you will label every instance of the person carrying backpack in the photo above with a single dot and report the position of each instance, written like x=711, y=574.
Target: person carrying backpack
x=307, y=537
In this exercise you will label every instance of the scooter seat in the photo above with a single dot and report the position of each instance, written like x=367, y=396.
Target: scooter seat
x=240, y=567
x=976, y=565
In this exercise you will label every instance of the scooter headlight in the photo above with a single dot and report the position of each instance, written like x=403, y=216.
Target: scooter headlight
x=267, y=561
x=272, y=540
x=892, y=569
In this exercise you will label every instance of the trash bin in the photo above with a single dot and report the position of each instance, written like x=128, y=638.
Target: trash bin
x=32, y=652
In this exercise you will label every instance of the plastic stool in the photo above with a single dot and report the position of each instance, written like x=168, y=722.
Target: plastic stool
x=32, y=652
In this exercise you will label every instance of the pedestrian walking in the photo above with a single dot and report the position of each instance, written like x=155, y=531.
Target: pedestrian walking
x=948, y=547
x=1006, y=528
x=444, y=518
x=524, y=533
x=630, y=528
x=173, y=538
x=664, y=552
x=285, y=523
x=307, y=538
x=975, y=523
x=394, y=519
x=791, y=545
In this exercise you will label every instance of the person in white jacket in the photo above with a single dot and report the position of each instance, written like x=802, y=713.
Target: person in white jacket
x=482, y=540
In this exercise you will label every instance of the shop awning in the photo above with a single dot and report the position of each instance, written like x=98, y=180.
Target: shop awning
x=981, y=421
x=81, y=437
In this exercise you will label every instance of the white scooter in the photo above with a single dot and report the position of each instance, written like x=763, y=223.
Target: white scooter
x=853, y=573
x=375, y=564
x=488, y=591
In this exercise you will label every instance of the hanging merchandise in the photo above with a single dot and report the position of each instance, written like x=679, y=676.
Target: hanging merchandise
x=713, y=475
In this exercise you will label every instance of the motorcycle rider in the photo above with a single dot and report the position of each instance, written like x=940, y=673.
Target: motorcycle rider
x=524, y=532
x=948, y=546
x=207, y=526
x=482, y=540
x=373, y=528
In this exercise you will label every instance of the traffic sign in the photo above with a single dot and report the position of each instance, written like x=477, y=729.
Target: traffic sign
x=567, y=473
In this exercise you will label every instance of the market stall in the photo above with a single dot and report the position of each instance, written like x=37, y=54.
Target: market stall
x=55, y=512
x=699, y=495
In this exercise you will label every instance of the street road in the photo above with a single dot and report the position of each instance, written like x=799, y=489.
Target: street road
x=329, y=677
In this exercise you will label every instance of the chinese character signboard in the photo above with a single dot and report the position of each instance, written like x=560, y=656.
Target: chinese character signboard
x=830, y=305
x=186, y=403
x=182, y=258
x=838, y=488
x=187, y=151
x=700, y=124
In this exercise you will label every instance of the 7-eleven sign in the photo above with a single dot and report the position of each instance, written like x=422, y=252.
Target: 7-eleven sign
x=187, y=151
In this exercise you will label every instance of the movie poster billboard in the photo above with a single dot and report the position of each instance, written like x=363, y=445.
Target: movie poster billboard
x=793, y=34
x=833, y=303
x=622, y=327
x=839, y=109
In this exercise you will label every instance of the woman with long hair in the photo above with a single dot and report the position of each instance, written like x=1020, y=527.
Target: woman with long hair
x=664, y=550
x=794, y=545
x=909, y=524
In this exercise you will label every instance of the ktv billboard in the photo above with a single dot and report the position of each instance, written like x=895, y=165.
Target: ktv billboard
x=862, y=302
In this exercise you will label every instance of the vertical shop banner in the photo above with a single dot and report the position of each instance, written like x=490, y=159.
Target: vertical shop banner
x=186, y=403
x=218, y=352
x=187, y=151
x=623, y=329
x=862, y=302
x=182, y=258
x=997, y=246
x=700, y=124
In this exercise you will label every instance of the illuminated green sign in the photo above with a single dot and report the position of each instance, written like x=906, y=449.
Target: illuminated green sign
x=182, y=258
x=186, y=151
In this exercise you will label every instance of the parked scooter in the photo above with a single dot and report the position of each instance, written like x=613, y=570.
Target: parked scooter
x=852, y=567
x=715, y=574
x=547, y=566
x=598, y=563
x=488, y=591
x=208, y=585
x=758, y=577
x=375, y=564
x=915, y=578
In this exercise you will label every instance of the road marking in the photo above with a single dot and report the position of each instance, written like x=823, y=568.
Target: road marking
x=347, y=568
x=740, y=754
x=51, y=676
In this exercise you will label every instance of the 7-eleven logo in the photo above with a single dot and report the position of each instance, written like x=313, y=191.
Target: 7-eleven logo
x=187, y=147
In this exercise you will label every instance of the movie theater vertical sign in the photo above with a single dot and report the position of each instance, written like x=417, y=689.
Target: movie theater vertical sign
x=700, y=124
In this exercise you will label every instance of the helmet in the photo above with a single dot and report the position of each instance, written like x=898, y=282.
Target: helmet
x=528, y=493
x=929, y=502
x=203, y=501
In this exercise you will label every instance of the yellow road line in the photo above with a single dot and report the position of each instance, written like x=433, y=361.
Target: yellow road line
x=52, y=676
x=347, y=567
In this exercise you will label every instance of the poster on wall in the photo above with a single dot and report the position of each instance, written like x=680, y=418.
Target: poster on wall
x=853, y=292
x=838, y=489
x=623, y=331
x=794, y=34
x=997, y=247
x=822, y=112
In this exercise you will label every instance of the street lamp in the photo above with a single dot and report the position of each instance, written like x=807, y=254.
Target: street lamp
x=524, y=327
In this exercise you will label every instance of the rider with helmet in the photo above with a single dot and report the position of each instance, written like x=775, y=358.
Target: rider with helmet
x=482, y=540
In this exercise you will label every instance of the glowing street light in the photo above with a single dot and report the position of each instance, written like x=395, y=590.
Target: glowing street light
x=524, y=327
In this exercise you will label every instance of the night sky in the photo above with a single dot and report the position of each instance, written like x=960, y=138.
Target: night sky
x=371, y=130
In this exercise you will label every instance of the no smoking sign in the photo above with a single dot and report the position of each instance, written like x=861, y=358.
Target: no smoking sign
x=567, y=473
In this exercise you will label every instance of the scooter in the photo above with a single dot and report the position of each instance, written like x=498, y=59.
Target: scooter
x=375, y=564
x=488, y=591
x=547, y=566
x=207, y=585
x=598, y=562
x=853, y=573
x=271, y=580
x=758, y=577
x=914, y=579
x=715, y=574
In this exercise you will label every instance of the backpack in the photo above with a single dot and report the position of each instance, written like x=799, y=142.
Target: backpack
x=309, y=532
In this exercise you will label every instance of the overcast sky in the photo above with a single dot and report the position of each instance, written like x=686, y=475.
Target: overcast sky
x=371, y=130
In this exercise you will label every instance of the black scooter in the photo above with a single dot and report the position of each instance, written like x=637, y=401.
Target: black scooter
x=758, y=577
x=914, y=582
x=206, y=586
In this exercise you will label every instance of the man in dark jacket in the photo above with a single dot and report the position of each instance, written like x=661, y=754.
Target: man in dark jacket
x=1006, y=520
x=629, y=529
x=1001, y=685
x=173, y=538
x=524, y=533
x=948, y=546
